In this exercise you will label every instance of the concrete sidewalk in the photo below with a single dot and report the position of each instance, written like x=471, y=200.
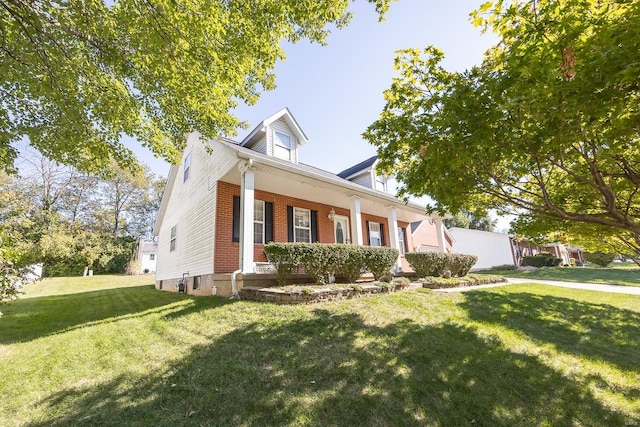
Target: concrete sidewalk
x=618, y=289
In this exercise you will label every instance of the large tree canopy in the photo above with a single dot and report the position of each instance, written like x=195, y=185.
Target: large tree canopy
x=547, y=127
x=79, y=74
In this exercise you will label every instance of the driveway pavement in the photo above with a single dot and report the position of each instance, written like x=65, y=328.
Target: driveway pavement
x=619, y=289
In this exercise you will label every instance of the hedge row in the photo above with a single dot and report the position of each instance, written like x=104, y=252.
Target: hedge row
x=324, y=260
x=543, y=259
x=435, y=264
x=602, y=259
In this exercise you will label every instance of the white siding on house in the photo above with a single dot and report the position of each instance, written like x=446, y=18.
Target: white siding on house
x=147, y=251
x=491, y=248
x=260, y=146
x=191, y=208
x=364, y=179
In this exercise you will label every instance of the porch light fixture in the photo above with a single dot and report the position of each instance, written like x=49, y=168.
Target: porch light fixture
x=332, y=214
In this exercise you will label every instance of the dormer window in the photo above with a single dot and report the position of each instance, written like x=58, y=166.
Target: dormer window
x=282, y=146
x=381, y=183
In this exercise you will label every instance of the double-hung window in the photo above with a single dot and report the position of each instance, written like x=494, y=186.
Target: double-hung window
x=301, y=225
x=282, y=146
x=187, y=167
x=375, y=236
x=381, y=183
x=172, y=243
x=258, y=221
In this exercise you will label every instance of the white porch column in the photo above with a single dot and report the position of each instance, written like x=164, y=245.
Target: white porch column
x=392, y=217
x=442, y=240
x=246, y=218
x=356, y=221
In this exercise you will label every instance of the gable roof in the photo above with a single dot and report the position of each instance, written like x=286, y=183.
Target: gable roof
x=284, y=114
x=347, y=173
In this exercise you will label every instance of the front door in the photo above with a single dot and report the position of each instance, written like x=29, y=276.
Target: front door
x=341, y=228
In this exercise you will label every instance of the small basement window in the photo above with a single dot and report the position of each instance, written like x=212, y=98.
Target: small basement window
x=196, y=283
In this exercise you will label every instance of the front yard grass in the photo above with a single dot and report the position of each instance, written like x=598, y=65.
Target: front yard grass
x=623, y=275
x=118, y=352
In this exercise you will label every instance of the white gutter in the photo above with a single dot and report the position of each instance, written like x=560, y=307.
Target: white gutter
x=356, y=188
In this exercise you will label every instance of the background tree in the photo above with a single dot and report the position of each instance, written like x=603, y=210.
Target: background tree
x=464, y=219
x=121, y=191
x=547, y=127
x=54, y=215
x=14, y=211
x=76, y=75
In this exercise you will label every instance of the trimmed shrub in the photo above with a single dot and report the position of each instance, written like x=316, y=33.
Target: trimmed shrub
x=379, y=260
x=285, y=257
x=460, y=264
x=504, y=267
x=354, y=264
x=470, y=280
x=427, y=263
x=323, y=260
x=543, y=259
x=602, y=259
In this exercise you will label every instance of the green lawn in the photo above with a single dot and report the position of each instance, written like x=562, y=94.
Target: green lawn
x=618, y=275
x=113, y=351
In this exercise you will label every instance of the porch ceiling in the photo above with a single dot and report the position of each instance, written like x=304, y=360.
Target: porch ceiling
x=301, y=186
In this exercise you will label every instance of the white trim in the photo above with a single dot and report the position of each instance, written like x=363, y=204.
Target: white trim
x=356, y=221
x=440, y=233
x=358, y=173
x=347, y=232
x=246, y=218
x=392, y=219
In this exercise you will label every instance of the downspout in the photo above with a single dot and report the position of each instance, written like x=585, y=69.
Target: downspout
x=242, y=167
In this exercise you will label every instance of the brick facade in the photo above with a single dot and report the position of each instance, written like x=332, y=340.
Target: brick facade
x=226, y=252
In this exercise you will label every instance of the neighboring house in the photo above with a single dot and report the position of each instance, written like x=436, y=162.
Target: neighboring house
x=227, y=199
x=431, y=235
x=147, y=256
x=492, y=249
x=522, y=247
x=565, y=252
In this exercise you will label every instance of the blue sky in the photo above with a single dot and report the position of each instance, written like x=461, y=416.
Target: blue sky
x=335, y=91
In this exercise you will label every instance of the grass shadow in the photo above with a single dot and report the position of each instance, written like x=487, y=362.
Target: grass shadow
x=600, y=331
x=30, y=318
x=335, y=369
